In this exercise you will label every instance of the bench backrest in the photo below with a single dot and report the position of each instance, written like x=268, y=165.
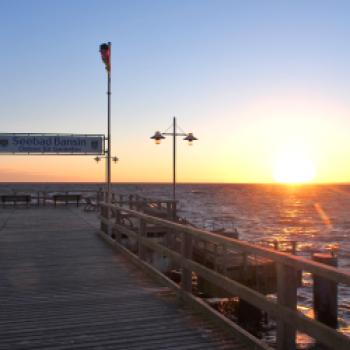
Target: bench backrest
x=16, y=198
x=67, y=197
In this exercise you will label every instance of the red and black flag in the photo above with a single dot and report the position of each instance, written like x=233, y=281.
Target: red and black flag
x=105, y=50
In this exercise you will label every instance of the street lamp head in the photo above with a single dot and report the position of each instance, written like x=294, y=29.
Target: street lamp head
x=190, y=138
x=157, y=137
x=115, y=159
x=97, y=159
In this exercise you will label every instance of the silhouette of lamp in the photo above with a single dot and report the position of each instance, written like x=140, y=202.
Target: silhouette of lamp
x=115, y=159
x=159, y=136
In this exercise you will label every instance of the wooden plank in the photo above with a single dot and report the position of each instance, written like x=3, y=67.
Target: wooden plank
x=251, y=341
x=63, y=288
x=280, y=312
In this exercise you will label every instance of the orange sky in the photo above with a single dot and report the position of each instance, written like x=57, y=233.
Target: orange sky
x=244, y=152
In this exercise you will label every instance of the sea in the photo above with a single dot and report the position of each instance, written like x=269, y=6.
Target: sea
x=316, y=217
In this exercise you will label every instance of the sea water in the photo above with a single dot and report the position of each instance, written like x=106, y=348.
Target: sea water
x=317, y=217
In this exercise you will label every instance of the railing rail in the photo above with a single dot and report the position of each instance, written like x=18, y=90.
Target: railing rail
x=288, y=267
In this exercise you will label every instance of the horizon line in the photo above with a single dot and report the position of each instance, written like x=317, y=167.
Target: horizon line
x=178, y=183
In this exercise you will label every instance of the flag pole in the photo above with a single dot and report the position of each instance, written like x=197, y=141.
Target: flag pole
x=108, y=170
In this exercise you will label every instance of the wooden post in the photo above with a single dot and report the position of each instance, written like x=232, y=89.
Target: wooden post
x=141, y=249
x=294, y=247
x=99, y=196
x=118, y=235
x=104, y=227
x=186, y=250
x=174, y=210
x=113, y=197
x=131, y=197
x=169, y=210
x=287, y=284
x=137, y=199
x=325, y=293
x=108, y=214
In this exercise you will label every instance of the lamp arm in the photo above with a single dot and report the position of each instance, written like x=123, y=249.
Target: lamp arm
x=171, y=134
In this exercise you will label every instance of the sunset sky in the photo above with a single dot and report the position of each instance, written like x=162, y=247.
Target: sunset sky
x=258, y=82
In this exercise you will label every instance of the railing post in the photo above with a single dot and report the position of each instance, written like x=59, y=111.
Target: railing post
x=144, y=204
x=109, y=217
x=104, y=227
x=325, y=293
x=287, y=284
x=186, y=250
x=99, y=196
x=169, y=210
x=141, y=250
x=137, y=199
x=174, y=210
x=131, y=198
x=118, y=237
x=121, y=198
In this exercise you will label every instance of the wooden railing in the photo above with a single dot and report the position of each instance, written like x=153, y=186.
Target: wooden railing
x=42, y=197
x=161, y=207
x=288, y=268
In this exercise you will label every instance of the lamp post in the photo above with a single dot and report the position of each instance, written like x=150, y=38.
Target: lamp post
x=158, y=136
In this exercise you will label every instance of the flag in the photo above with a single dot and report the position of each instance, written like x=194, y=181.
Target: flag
x=105, y=51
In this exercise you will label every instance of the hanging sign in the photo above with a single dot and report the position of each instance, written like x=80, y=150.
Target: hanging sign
x=51, y=144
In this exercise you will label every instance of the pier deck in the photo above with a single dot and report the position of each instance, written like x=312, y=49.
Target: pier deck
x=62, y=287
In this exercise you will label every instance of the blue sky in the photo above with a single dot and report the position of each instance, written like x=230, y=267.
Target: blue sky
x=210, y=63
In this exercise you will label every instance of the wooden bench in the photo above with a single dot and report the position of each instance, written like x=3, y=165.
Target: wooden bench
x=16, y=198
x=67, y=198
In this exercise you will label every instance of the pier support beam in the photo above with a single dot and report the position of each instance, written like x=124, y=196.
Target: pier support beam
x=287, y=284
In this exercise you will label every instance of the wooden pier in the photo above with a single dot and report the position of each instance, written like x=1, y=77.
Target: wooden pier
x=62, y=287
x=288, y=269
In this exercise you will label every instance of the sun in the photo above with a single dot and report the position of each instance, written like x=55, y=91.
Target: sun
x=293, y=167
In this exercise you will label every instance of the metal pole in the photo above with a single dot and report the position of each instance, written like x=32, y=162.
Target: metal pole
x=109, y=130
x=174, y=159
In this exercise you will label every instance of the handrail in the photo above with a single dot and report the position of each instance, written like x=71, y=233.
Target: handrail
x=284, y=310
x=338, y=275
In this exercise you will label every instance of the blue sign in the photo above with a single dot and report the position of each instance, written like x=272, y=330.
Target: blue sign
x=51, y=144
